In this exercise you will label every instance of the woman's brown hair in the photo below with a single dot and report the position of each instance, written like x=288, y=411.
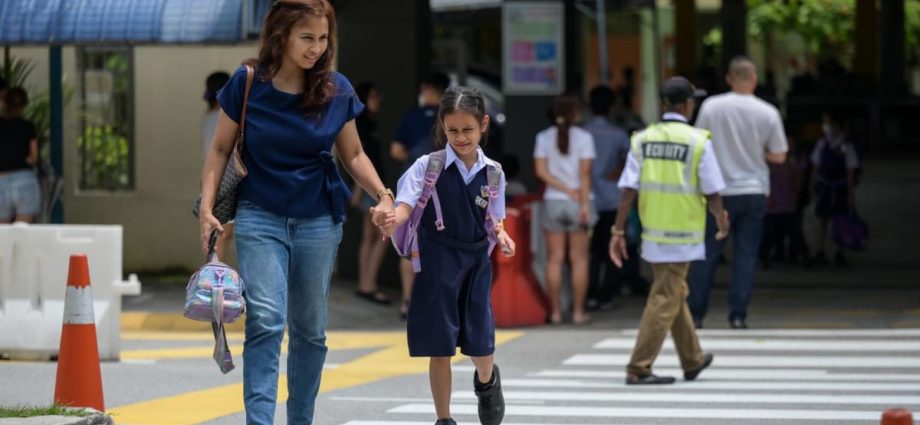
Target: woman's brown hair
x=565, y=112
x=319, y=83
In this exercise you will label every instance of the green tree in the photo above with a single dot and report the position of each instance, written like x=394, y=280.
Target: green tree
x=827, y=27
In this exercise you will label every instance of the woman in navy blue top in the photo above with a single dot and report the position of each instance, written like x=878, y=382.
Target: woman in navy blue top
x=292, y=203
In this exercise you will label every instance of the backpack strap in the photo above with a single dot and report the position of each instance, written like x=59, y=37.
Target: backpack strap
x=221, y=349
x=493, y=179
x=429, y=192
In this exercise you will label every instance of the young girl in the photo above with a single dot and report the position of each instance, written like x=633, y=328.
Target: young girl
x=451, y=303
x=834, y=166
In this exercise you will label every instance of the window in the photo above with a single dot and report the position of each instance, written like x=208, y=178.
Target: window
x=106, y=141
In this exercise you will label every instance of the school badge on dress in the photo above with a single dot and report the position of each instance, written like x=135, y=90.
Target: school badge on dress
x=481, y=202
x=484, y=191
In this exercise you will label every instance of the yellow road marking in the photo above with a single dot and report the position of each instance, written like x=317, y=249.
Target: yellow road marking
x=201, y=406
x=336, y=341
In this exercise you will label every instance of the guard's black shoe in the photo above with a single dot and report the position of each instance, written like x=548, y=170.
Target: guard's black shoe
x=448, y=421
x=737, y=324
x=692, y=374
x=491, y=400
x=649, y=379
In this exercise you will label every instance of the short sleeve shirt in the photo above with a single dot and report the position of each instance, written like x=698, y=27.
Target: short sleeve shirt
x=288, y=153
x=415, y=132
x=611, y=145
x=710, y=181
x=15, y=136
x=564, y=167
x=743, y=128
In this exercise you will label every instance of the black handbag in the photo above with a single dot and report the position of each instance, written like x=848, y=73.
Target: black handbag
x=224, y=209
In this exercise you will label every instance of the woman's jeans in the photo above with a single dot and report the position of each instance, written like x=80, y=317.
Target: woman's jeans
x=286, y=266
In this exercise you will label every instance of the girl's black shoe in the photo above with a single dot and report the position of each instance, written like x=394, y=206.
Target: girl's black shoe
x=491, y=400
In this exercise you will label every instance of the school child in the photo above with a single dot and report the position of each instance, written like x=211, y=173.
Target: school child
x=449, y=217
x=835, y=168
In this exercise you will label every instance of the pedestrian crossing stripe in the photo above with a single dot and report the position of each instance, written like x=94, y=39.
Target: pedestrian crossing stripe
x=779, y=376
x=710, y=398
x=706, y=384
x=656, y=413
x=764, y=361
x=761, y=344
x=746, y=374
x=781, y=333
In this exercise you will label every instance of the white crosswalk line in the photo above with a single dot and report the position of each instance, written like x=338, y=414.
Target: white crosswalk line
x=761, y=344
x=620, y=360
x=429, y=423
x=781, y=377
x=784, y=398
x=747, y=374
x=780, y=333
x=893, y=387
x=663, y=412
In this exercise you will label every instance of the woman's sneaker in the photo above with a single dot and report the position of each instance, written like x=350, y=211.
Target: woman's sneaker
x=491, y=400
x=448, y=421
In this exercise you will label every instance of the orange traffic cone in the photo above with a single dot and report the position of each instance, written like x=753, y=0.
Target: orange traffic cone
x=79, y=380
x=897, y=417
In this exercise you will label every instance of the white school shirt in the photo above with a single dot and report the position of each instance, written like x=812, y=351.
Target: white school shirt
x=566, y=168
x=410, y=185
x=710, y=181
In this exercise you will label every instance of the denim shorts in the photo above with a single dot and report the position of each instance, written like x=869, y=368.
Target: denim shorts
x=19, y=194
x=562, y=216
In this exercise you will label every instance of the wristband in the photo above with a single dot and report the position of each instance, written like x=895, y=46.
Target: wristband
x=616, y=232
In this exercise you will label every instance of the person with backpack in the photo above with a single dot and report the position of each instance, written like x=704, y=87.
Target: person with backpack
x=834, y=171
x=449, y=210
x=412, y=140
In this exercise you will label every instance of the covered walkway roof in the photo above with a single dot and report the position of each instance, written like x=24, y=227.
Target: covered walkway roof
x=129, y=21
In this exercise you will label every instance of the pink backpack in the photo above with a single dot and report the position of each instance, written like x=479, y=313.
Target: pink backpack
x=405, y=239
x=215, y=294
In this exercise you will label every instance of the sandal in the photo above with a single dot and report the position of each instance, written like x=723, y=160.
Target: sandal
x=377, y=297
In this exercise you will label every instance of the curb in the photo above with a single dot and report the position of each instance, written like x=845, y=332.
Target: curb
x=94, y=419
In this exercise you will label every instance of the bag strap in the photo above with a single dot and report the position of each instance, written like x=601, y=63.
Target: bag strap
x=212, y=247
x=221, y=349
x=493, y=179
x=432, y=173
x=250, y=76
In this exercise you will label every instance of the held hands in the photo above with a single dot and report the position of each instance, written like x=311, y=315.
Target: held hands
x=385, y=219
x=724, y=226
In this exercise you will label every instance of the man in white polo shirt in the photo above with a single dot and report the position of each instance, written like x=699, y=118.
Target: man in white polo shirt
x=747, y=133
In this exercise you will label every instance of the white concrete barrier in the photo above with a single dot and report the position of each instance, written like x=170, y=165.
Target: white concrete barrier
x=33, y=276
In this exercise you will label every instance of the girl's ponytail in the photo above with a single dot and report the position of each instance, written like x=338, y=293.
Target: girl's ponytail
x=565, y=112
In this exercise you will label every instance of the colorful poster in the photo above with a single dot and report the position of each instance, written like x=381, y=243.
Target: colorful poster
x=533, y=48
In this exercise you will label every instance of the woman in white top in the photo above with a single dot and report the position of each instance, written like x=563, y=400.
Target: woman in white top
x=562, y=160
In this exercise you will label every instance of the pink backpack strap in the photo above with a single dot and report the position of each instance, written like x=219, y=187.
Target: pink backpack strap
x=429, y=192
x=493, y=179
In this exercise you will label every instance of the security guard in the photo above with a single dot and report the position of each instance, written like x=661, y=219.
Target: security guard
x=673, y=165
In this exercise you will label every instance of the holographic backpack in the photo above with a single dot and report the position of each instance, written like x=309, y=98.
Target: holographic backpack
x=215, y=294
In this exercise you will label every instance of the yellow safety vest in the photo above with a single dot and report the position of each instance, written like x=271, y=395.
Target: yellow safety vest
x=671, y=206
